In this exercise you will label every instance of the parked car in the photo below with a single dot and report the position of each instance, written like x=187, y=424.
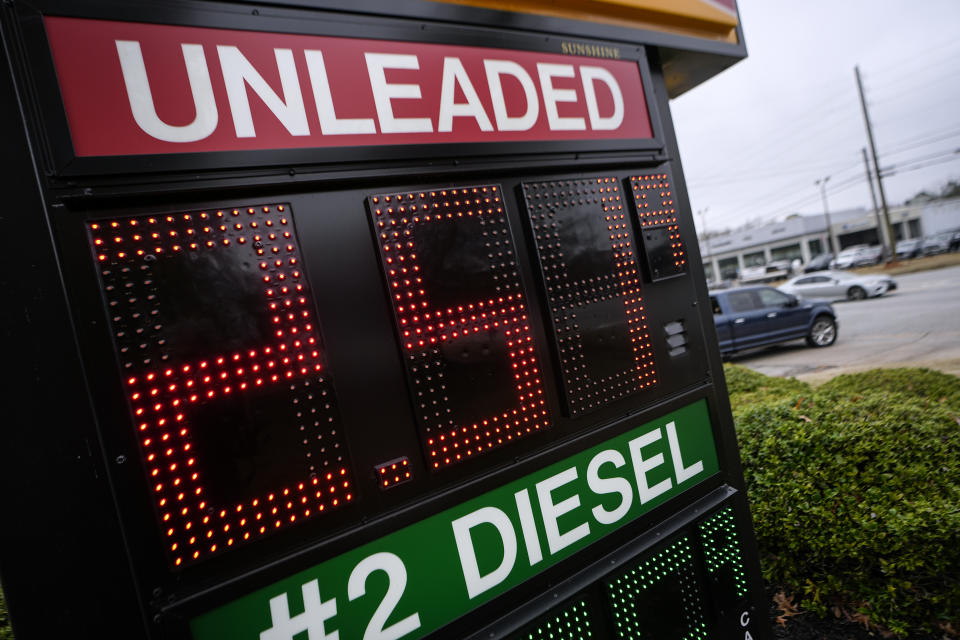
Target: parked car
x=759, y=316
x=955, y=241
x=836, y=285
x=858, y=255
x=818, y=263
x=776, y=270
x=909, y=248
x=938, y=243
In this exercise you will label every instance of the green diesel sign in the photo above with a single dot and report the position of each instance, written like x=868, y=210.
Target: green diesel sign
x=415, y=580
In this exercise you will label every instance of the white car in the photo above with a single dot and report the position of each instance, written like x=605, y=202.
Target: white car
x=777, y=270
x=836, y=285
x=857, y=256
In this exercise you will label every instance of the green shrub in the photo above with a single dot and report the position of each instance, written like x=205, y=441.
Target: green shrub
x=747, y=387
x=743, y=380
x=855, y=493
x=932, y=386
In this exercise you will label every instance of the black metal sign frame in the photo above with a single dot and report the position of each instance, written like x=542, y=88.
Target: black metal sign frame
x=87, y=450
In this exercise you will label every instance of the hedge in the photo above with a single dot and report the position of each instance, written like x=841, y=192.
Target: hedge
x=855, y=491
x=926, y=385
x=5, y=632
x=747, y=387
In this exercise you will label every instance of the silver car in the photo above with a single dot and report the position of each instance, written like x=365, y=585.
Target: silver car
x=939, y=243
x=909, y=248
x=858, y=255
x=836, y=285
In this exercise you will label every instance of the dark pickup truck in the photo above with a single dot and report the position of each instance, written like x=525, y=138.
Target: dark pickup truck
x=749, y=317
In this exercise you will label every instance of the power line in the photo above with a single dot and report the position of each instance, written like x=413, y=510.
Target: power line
x=906, y=168
x=816, y=122
x=774, y=211
x=767, y=201
x=833, y=189
x=922, y=141
x=920, y=54
x=746, y=157
x=748, y=176
x=764, y=145
x=792, y=206
x=895, y=116
x=882, y=81
x=903, y=85
x=936, y=154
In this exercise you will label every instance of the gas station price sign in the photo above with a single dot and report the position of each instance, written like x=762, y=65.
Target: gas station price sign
x=393, y=336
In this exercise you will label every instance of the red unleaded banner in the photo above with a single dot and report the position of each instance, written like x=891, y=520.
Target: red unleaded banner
x=133, y=88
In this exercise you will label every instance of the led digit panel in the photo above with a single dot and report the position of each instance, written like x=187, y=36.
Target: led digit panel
x=224, y=371
x=723, y=555
x=659, y=229
x=592, y=279
x=461, y=317
x=660, y=597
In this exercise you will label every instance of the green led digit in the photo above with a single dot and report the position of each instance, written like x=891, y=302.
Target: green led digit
x=659, y=597
x=721, y=548
x=572, y=622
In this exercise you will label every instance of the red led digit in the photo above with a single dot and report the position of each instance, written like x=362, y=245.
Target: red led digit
x=589, y=267
x=461, y=318
x=656, y=210
x=224, y=373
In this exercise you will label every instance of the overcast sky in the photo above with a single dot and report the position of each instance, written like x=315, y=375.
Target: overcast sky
x=755, y=138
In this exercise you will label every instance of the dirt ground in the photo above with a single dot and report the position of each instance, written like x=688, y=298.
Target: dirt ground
x=900, y=267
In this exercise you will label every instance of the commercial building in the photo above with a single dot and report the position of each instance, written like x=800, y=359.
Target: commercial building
x=802, y=237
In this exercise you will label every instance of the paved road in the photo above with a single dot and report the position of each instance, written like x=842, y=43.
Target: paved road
x=917, y=325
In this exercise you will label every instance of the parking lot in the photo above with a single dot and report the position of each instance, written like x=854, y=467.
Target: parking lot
x=918, y=325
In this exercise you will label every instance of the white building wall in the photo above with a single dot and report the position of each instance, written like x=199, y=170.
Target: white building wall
x=940, y=215
x=934, y=217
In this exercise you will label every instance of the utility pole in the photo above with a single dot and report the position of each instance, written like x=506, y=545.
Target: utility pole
x=873, y=198
x=876, y=166
x=822, y=183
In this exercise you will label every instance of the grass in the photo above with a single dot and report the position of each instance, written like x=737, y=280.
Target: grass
x=900, y=267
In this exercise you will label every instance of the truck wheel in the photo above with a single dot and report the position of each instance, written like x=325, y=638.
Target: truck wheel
x=823, y=332
x=856, y=293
